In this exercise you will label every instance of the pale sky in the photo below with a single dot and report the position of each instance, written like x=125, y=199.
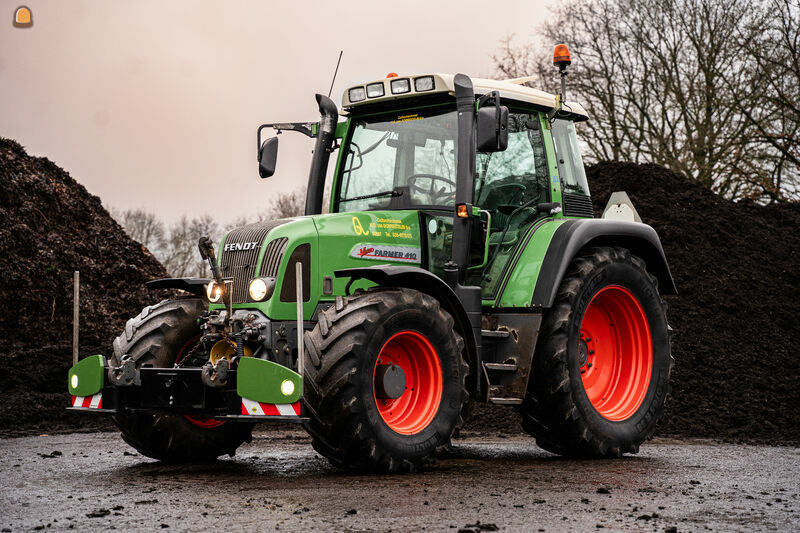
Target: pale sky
x=155, y=104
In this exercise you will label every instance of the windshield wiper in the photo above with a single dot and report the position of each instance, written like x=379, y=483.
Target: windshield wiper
x=393, y=194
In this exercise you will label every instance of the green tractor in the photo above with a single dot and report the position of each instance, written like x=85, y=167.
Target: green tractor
x=459, y=261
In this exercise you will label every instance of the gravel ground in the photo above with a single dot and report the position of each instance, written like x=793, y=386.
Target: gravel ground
x=95, y=481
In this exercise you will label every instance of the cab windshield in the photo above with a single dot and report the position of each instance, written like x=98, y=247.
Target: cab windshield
x=399, y=161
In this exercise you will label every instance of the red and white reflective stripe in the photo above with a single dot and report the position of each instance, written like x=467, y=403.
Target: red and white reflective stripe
x=93, y=402
x=250, y=407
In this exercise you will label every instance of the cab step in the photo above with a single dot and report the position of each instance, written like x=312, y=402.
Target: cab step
x=494, y=334
x=506, y=401
x=508, y=367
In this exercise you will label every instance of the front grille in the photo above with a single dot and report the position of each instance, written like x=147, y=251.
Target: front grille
x=241, y=264
x=272, y=257
x=577, y=205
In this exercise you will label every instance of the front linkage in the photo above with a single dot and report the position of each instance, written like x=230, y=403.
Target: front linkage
x=214, y=376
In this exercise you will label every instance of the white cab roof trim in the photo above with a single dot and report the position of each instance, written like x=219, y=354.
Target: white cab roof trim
x=509, y=89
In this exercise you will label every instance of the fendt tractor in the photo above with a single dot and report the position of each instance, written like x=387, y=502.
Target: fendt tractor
x=459, y=261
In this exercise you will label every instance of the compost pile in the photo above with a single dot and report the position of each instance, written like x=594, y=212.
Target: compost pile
x=51, y=226
x=736, y=315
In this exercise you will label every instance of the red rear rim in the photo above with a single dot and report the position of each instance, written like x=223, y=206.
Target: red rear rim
x=205, y=423
x=615, y=353
x=417, y=406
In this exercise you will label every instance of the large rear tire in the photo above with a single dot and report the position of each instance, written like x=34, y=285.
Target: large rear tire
x=602, y=362
x=359, y=416
x=158, y=336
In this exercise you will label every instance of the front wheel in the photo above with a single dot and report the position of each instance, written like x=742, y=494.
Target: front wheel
x=384, y=385
x=602, y=363
x=159, y=336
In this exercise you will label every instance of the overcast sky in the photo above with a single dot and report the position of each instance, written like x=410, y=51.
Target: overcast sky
x=155, y=104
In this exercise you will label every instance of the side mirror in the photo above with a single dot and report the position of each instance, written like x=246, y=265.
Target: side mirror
x=492, y=129
x=268, y=157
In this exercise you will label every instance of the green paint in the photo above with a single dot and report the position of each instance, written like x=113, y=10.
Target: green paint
x=522, y=278
x=91, y=375
x=260, y=380
x=336, y=240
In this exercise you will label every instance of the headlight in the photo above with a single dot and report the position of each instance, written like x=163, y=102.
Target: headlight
x=214, y=292
x=374, y=90
x=425, y=83
x=356, y=94
x=401, y=86
x=287, y=387
x=258, y=289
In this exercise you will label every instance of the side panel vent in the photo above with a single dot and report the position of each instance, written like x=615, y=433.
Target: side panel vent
x=300, y=254
x=577, y=205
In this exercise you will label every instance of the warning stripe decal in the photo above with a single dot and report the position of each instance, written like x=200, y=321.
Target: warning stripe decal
x=250, y=407
x=92, y=402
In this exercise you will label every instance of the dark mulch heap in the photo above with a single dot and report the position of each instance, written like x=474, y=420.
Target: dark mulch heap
x=51, y=226
x=737, y=314
x=735, y=320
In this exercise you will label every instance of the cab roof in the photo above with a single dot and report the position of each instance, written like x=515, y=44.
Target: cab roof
x=443, y=83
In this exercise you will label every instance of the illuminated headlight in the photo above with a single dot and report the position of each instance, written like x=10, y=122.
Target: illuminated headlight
x=374, y=90
x=425, y=83
x=258, y=289
x=401, y=86
x=287, y=387
x=356, y=94
x=214, y=292
x=74, y=381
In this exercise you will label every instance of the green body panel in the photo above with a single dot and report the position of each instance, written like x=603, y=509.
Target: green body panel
x=261, y=381
x=525, y=266
x=339, y=240
x=91, y=375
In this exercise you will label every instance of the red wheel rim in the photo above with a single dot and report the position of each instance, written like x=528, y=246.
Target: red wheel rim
x=417, y=406
x=615, y=353
x=205, y=423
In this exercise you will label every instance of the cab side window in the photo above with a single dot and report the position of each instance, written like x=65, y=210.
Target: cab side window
x=516, y=177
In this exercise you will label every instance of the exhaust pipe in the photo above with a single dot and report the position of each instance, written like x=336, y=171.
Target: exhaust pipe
x=329, y=116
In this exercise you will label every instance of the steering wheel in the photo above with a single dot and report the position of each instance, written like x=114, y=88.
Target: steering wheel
x=436, y=195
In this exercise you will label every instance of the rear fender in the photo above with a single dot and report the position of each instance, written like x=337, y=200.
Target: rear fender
x=574, y=235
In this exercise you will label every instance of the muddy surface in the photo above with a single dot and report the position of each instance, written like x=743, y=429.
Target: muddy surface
x=96, y=482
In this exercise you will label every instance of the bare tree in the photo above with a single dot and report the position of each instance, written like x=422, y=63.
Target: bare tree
x=286, y=205
x=142, y=226
x=662, y=81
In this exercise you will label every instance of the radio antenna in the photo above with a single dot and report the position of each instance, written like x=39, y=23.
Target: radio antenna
x=335, y=72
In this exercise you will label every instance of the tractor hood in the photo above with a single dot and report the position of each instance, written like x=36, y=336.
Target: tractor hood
x=322, y=244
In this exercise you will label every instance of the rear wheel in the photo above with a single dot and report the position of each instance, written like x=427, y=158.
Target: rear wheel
x=159, y=336
x=384, y=385
x=602, y=362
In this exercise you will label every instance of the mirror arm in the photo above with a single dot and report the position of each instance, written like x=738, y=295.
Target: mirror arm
x=306, y=128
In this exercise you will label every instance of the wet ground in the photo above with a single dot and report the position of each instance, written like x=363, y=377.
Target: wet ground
x=95, y=481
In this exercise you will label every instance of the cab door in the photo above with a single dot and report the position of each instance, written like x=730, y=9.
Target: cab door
x=508, y=187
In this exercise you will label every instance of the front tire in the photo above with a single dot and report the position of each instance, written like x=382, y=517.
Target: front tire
x=158, y=336
x=360, y=418
x=602, y=363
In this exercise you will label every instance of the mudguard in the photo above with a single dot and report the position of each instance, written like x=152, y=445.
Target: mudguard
x=195, y=286
x=573, y=235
